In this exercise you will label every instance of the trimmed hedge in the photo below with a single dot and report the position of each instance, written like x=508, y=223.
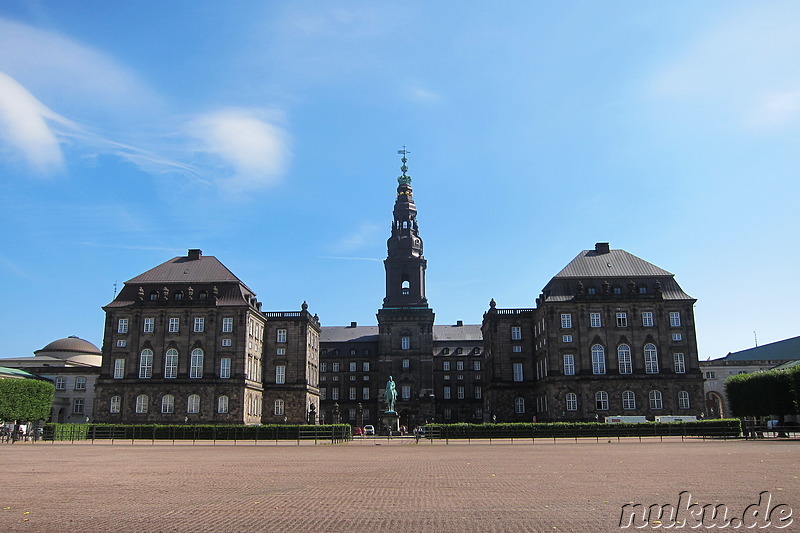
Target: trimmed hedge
x=727, y=427
x=195, y=432
x=769, y=392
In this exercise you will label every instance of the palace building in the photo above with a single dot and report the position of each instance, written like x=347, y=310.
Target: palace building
x=611, y=334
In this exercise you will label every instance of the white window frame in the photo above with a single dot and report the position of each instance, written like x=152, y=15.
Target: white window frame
x=622, y=319
x=516, y=333
x=196, y=363
x=222, y=404
x=115, y=405
x=571, y=400
x=680, y=363
x=77, y=406
x=171, y=364
x=647, y=319
x=569, y=364
x=365, y=393
x=446, y=366
x=142, y=403
x=80, y=383
x=226, y=343
x=446, y=392
x=624, y=359
x=227, y=325
x=519, y=405
x=334, y=393
x=598, y=360
x=566, y=338
x=656, y=400
x=405, y=392
x=193, y=404
x=365, y=366
x=566, y=320
x=353, y=367
x=476, y=365
x=121, y=343
x=516, y=348
x=149, y=325
x=174, y=325
x=628, y=400
x=601, y=401
x=595, y=320
x=460, y=365
x=167, y=404
x=478, y=392
x=119, y=368
x=677, y=337
x=146, y=364
x=280, y=336
x=225, y=368
x=518, y=372
x=353, y=393
x=122, y=325
x=675, y=319
x=280, y=374
x=683, y=400
x=406, y=364
x=459, y=392
x=405, y=342
x=650, y=358
x=199, y=324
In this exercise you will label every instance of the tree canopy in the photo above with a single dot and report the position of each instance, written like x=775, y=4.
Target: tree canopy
x=771, y=392
x=25, y=399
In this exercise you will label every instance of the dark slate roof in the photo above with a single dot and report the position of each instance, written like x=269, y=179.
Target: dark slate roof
x=465, y=333
x=613, y=264
x=71, y=344
x=785, y=350
x=206, y=269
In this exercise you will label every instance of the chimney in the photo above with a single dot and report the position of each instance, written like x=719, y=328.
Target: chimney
x=601, y=248
x=459, y=323
x=195, y=254
x=353, y=324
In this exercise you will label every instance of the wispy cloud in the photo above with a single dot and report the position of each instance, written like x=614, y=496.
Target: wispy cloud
x=364, y=235
x=14, y=268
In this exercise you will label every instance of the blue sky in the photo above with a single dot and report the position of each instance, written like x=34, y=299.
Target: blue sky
x=266, y=134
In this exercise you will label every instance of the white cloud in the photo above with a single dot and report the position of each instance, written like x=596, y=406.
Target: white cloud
x=255, y=150
x=420, y=94
x=364, y=235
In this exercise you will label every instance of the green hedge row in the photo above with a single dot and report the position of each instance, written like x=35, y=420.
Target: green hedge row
x=728, y=427
x=195, y=432
x=769, y=392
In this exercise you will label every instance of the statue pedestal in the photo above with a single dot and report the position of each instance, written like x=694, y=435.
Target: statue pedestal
x=390, y=421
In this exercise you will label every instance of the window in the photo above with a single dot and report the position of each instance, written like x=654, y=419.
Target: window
x=460, y=392
x=335, y=367
x=566, y=320
x=460, y=365
x=650, y=359
x=146, y=364
x=196, y=366
x=617, y=290
x=227, y=325
x=446, y=351
x=353, y=393
x=711, y=375
x=647, y=319
x=591, y=290
x=655, y=399
x=566, y=338
x=119, y=368
x=448, y=413
x=174, y=325
x=478, y=392
x=121, y=343
x=476, y=365
x=167, y=404
x=674, y=319
x=569, y=365
x=628, y=400
x=77, y=406
x=446, y=366
x=642, y=290
x=459, y=351
x=193, y=404
x=446, y=394
x=179, y=295
x=226, y=342
x=677, y=337
x=519, y=405
x=594, y=320
x=365, y=366
x=405, y=392
x=517, y=371
x=352, y=366
x=199, y=325
x=516, y=333
x=225, y=368
x=122, y=325
x=280, y=351
x=365, y=393
x=323, y=394
x=405, y=342
x=598, y=359
x=622, y=320
x=80, y=383
x=61, y=383
x=406, y=364
x=334, y=393
x=281, y=335
x=572, y=401
x=280, y=375
x=601, y=401
x=624, y=359
x=149, y=325
x=202, y=295
x=222, y=405
x=153, y=296
x=353, y=351
x=680, y=363
x=683, y=400
x=116, y=403
x=142, y=402
x=478, y=413
x=517, y=349
x=171, y=363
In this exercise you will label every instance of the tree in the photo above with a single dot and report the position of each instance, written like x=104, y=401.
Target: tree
x=770, y=392
x=25, y=399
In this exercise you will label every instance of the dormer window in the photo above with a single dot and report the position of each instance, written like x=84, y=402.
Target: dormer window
x=153, y=296
x=179, y=295
x=203, y=295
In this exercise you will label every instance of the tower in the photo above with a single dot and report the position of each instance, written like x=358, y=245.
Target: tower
x=405, y=322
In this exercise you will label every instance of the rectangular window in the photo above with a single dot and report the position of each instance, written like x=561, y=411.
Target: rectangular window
x=677, y=337
x=77, y=406
x=352, y=367
x=174, y=325
x=279, y=408
x=365, y=366
x=566, y=320
x=572, y=401
x=227, y=325
x=569, y=365
x=594, y=320
x=280, y=375
x=406, y=364
x=516, y=333
x=476, y=365
x=405, y=392
x=674, y=319
x=146, y=365
x=517, y=371
x=353, y=393
x=80, y=383
x=405, y=343
x=680, y=363
x=281, y=335
x=323, y=367
x=446, y=394
x=519, y=405
x=335, y=367
x=460, y=365
x=119, y=368
x=460, y=392
x=365, y=393
x=622, y=320
x=647, y=319
x=226, y=342
x=225, y=367
x=446, y=366
x=448, y=413
x=121, y=343
x=199, y=325
x=517, y=348
x=566, y=338
x=478, y=392
x=711, y=375
x=171, y=364
x=149, y=325
x=196, y=364
x=116, y=402
x=122, y=325
x=334, y=393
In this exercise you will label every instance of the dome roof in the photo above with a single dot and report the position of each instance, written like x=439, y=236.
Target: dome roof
x=69, y=347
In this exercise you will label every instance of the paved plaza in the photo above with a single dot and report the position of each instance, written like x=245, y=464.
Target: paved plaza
x=380, y=485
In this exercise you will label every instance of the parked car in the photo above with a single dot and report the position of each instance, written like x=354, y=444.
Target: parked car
x=369, y=430
x=357, y=431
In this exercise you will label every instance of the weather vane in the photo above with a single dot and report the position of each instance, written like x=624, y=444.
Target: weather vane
x=404, y=179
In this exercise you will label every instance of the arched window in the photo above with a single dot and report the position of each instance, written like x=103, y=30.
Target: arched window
x=683, y=400
x=193, y=405
x=146, y=364
x=624, y=358
x=650, y=359
x=142, y=403
x=116, y=403
x=196, y=368
x=628, y=400
x=601, y=400
x=655, y=400
x=279, y=408
x=405, y=288
x=519, y=405
x=598, y=359
x=222, y=405
x=405, y=224
x=572, y=401
x=171, y=363
x=168, y=404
